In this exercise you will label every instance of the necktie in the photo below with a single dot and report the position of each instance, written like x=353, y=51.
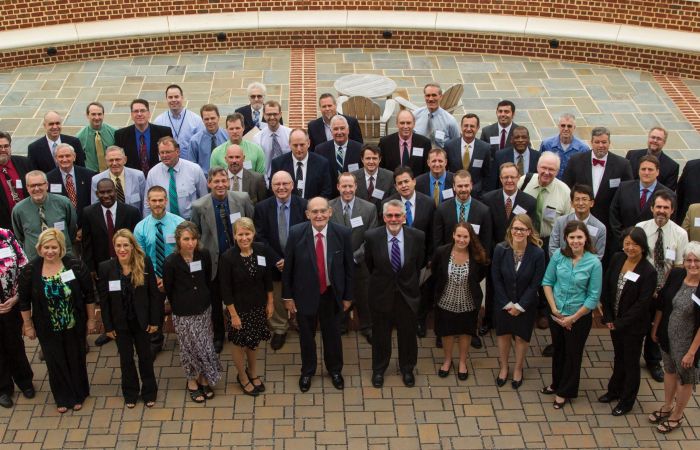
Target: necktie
x=13, y=192
x=395, y=254
x=160, y=249
x=213, y=144
x=599, y=162
x=54, y=144
x=321, y=264
x=539, y=213
x=172, y=193
x=339, y=159
x=659, y=258
x=120, y=190
x=409, y=214
x=276, y=149
x=436, y=193
x=404, y=155
x=462, y=213
x=100, y=152
x=370, y=188
x=235, y=184
x=225, y=224
x=509, y=207
x=502, y=145
x=430, y=130
x=643, y=199
x=521, y=165
x=70, y=190
x=300, y=177
x=42, y=218
x=110, y=232
x=143, y=155
x=346, y=214
x=465, y=159
x=282, y=226
x=256, y=118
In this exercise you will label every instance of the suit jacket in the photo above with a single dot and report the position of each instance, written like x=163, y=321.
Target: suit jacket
x=518, y=287
x=440, y=266
x=362, y=209
x=83, y=186
x=624, y=210
x=384, y=283
x=134, y=191
x=317, y=131
x=148, y=301
x=384, y=181
x=40, y=155
x=490, y=131
x=126, y=139
x=688, y=224
x=481, y=182
x=247, y=112
x=422, y=219
x=668, y=168
x=423, y=184
x=391, y=153
x=579, y=171
x=688, y=190
x=445, y=220
x=96, y=242
x=254, y=184
x=352, y=156
x=204, y=216
x=506, y=155
x=300, y=275
x=238, y=287
x=318, y=179
x=557, y=240
x=497, y=208
x=22, y=166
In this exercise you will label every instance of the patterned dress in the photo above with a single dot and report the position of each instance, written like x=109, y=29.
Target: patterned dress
x=253, y=322
x=456, y=313
x=681, y=325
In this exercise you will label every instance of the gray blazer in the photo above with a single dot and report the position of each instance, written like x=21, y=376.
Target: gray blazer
x=556, y=240
x=203, y=216
x=361, y=208
x=254, y=184
x=134, y=191
x=384, y=181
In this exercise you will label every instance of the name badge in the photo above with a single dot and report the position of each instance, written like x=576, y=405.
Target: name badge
x=448, y=193
x=417, y=151
x=670, y=254
x=234, y=217
x=18, y=184
x=6, y=253
x=614, y=182
x=519, y=210
x=261, y=261
x=550, y=213
x=353, y=167
x=632, y=276
x=476, y=228
x=60, y=225
x=495, y=140
x=300, y=184
x=439, y=135
x=356, y=222
x=195, y=266
x=248, y=165
x=67, y=276
x=169, y=238
x=696, y=299
x=115, y=285
x=477, y=163
x=697, y=222
x=55, y=188
x=378, y=194
x=593, y=231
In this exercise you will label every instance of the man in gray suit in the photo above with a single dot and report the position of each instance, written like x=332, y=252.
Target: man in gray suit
x=359, y=215
x=582, y=201
x=242, y=179
x=374, y=183
x=130, y=183
x=214, y=214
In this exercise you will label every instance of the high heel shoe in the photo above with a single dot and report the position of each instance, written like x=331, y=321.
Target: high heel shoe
x=515, y=384
x=444, y=373
x=559, y=405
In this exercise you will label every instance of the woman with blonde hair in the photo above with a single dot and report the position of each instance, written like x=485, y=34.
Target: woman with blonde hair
x=132, y=308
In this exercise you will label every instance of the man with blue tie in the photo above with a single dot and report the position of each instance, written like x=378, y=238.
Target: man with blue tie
x=203, y=143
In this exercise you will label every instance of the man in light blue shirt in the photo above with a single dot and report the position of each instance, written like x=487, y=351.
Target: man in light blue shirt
x=203, y=143
x=183, y=123
x=565, y=144
x=434, y=122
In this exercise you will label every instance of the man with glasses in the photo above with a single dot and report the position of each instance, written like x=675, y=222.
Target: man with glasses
x=253, y=112
x=140, y=140
x=182, y=122
x=668, y=168
x=274, y=139
x=565, y=143
x=14, y=168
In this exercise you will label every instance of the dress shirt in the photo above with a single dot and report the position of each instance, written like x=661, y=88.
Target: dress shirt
x=597, y=172
x=26, y=224
x=324, y=233
x=147, y=136
x=467, y=208
x=650, y=190
x=511, y=197
x=238, y=175
x=442, y=120
x=189, y=180
x=441, y=183
x=409, y=143
x=367, y=175
x=500, y=132
x=553, y=144
x=467, y=146
x=399, y=236
x=288, y=203
x=87, y=140
x=526, y=159
x=304, y=166
x=71, y=172
x=220, y=231
x=557, y=197
x=145, y=233
x=51, y=145
x=254, y=156
x=122, y=180
x=113, y=210
x=184, y=126
x=574, y=286
x=327, y=129
x=200, y=147
x=675, y=241
x=413, y=206
x=264, y=140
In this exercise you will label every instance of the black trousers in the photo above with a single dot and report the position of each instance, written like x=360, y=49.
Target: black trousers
x=542, y=305
x=488, y=300
x=14, y=366
x=427, y=299
x=625, y=379
x=403, y=317
x=217, y=311
x=360, y=303
x=130, y=336
x=568, y=353
x=652, y=351
x=64, y=354
x=329, y=317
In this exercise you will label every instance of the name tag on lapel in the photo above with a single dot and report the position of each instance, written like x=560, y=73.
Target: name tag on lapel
x=477, y=163
x=67, y=276
x=115, y=285
x=378, y=194
x=356, y=222
x=261, y=261
x=195, y=266
x=632, y=276
x=614, y=182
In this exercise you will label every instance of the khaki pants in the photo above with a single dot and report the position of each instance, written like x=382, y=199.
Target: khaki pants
x=279, y=321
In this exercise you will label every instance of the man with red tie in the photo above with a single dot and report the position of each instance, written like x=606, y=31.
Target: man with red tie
x=405, y=147
x=498, y=135
x=13, y=169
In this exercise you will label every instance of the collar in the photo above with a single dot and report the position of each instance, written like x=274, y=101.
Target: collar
x=465, y=143
x=57, y=141
x=500, y=128
x=467, y=203
x=442, y=178
x=345, y=145
x=506, y=196
x=231, y=174
x=604, y=158
x=351, y=203
x=407, y=141
x=650, y=188
x=287, y=203
x=113, y=208
x=398, y=236
x=324, y=231
x=412, y=199
x=375, y=174
x=303, y=161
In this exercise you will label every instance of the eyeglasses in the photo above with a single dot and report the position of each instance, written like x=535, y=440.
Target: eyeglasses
x=519, y=230
x=318, y=211
x=255, y=96
x=5, y=147
x=565, y=125
x=393, y=216
x=139, y=111
x=35, y=186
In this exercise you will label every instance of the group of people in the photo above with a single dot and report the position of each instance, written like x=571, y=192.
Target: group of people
x=252, y=229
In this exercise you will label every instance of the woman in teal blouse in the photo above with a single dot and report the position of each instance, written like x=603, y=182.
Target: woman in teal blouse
x=572, y=286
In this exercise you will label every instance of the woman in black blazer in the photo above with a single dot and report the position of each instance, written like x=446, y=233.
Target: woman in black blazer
x=132, y=308
x=627, y=291
x=458, y=269
x=516, y=270
x=246, y=289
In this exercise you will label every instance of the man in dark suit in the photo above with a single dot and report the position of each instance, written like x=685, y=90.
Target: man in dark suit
x=320, y=129
x=242, y=179
x=468, y=152
x=42, y=151
x=312, y=177
x=395, y=256
x=688, y=189
x=140, y=140
x=317, y=287
x=253, y=112
x=374, y=183
x=426, y=182
x=13, y=169
x=519, y=152
x=668, y=168
x=71, y=181
x=273, y=217
x=405, y=148
x=499, y=134
x=343, y=154
x=361, y=216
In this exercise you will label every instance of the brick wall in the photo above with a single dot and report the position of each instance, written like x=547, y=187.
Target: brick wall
x=670, y=14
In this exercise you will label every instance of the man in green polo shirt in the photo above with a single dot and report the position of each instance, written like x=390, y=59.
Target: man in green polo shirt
x=96, y=137
x=254, y=156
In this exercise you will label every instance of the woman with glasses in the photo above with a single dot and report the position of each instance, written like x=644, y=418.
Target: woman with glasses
x=516, y=270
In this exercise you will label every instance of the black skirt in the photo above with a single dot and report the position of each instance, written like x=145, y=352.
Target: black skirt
x=520, y=326
x=448, y=323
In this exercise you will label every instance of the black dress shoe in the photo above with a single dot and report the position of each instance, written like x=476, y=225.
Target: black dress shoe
x=607, y=398
x=548, y=351
x=462, y=376
x=500, y=382
x=368, y=337
x=5, y=401
x=656, y=372
x=102, y=340
x=621, y=409
x=408, y=379
x=218, y=346
x=304, y=383
x=515, y=384
x=377, y=379
x=438, y=342
x=29, y=392
x=337, y=380
x=444, y=373
x=484, y=328
x=476, y=342
x=420, y=329
x=278, y=341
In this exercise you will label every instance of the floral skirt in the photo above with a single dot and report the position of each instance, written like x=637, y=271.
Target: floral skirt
x=195, y=335
x=253, y=328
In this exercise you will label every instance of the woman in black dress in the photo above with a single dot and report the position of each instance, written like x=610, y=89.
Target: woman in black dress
x=458, y=269
x=517, y=270
x=628, y=287
x=246, y=289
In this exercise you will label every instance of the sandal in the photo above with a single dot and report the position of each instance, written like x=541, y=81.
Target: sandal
x=253, y=393
x=666, y=427
x=77, y=407
x=130, y=405
x=207, y=391
x=259, y=387
x=150, y=404
x=547, y=390
x=658, y=416
x=62, y=409
x=196, y=395
x=559, y=405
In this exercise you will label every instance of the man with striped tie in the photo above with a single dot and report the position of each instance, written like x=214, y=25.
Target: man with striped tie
x=343, y=154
